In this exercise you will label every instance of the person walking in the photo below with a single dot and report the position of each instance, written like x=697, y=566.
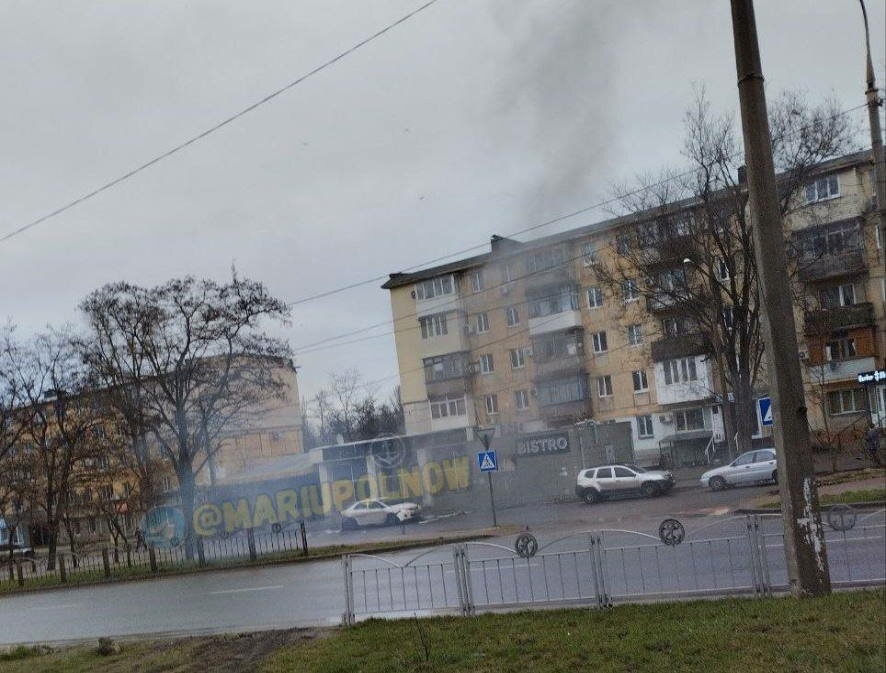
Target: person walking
x=872, y=443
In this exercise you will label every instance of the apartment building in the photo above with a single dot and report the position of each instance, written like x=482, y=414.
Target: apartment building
x=527, y=337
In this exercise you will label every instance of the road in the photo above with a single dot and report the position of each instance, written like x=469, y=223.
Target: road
x=312, y=593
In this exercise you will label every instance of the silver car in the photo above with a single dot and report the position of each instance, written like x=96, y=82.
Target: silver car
x=606, y=481
x=752, y=467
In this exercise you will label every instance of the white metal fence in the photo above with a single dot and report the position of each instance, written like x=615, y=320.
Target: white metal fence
x=732, y=556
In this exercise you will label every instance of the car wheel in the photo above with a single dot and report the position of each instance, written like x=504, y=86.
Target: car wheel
x=775, y=476
x=717, y=483
x=392, y=520
x=347, y=523
x=650, y=489
x=590, y=496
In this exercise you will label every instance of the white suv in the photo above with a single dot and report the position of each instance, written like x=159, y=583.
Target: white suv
x=605, y=481
x=749, y=468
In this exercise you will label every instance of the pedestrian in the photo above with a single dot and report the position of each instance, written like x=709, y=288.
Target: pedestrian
x=140, y=540
x=872, y=443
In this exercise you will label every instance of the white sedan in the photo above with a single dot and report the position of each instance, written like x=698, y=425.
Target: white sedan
x=749, y=468
x=379, y=513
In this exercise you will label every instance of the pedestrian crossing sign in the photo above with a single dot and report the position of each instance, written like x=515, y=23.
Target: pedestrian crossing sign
x=487, y=461
x=765, y=404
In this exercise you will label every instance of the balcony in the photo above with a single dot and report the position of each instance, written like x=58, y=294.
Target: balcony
x=558, y=366
x=558, y=275
x=557, y=321
x=831, y=265
x=841, y=370
x=669, y=250
x=839, y=317
x=681, y=346
x=664, y=303
x=457, y=384
x=566, y=412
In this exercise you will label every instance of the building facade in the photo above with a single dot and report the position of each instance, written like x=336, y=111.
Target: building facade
x=526, y=337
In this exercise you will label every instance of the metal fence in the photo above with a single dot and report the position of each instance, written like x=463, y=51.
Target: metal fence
x=117, y=562
x=733, y=556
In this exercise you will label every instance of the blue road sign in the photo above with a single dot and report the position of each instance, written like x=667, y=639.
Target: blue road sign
x=765, y=405
x=487, y=461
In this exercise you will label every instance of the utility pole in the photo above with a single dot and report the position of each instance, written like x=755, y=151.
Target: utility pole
x=874, y=103
x=805, y=553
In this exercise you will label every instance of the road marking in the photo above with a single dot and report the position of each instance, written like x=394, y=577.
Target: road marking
x=58, y=607
x=237, y=591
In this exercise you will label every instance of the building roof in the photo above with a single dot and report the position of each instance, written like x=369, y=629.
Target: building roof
x=399, y=279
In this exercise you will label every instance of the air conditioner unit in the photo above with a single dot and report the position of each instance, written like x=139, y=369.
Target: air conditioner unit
x=667, y=419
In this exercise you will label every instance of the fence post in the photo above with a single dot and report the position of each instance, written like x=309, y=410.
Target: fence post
x=599, y=569
x=201, y=553
x=459, y=584
x=348, y=617
x=304, y=536
x=250, y=541
x=128, y=555
x=62, y=571
x=106, y=564
x=757, y=570
x=152, y=558
x=21, y=577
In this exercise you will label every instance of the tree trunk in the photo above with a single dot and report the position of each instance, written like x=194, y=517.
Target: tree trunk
x=744, y=411
x=51, y=545
x=186, y=492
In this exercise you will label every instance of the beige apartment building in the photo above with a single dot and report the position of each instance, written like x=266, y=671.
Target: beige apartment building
x=526, y=337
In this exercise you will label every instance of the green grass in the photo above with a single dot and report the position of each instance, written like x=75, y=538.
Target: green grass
x=120, y=572
x=844, y=632
x=846, y=497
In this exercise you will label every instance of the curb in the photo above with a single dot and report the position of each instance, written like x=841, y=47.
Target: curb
x=874, y=504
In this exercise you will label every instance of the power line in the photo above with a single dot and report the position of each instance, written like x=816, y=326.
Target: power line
x=216, y=127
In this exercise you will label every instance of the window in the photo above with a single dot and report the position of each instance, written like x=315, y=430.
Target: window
x=517, y=358
x=604, y=473
x=676, y=327
x=604, y=386
x=823, y=188
x=849, y=401
x=93, y=525
x=689, y=419
x=545, y=259
x=166, y=484
x=623, y=472
x=839, y=349
x=599, y=341
x=482, y=323
x=557, y=345
x=728, y=317
x=507, y=272
x=512, y=315
x=521, y=399
x=672, y=280
x=561, y=391
x=434, y=287
x=448, y=405
x=635, y=335
x=102, y=462
x=722, y=269
x=745, y=458
x=106, y=493
x=641, y=384
x=444, y=367
x=623, y=244
x=589, y=252
x=629, y=290
x=680, y=370
x=564, y=298
x=831, y=239
x=644, y=426
x=487, y=366
x=477, y=281
x=838, y=295
x=595, y=297
x=764, y=456
x=433, y=325
x=491, y=404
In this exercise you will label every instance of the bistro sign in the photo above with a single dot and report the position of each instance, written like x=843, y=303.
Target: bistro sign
x=872, y=377
x=543, y=445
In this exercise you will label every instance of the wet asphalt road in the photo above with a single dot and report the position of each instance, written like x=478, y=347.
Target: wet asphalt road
x=311, y=593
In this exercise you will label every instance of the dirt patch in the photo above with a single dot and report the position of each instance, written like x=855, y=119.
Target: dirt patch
x=237, y=653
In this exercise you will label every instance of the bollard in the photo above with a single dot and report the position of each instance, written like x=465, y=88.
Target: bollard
x=152, y=557
x=304, y=537
x=106, y=562
x=250, y=540
x=21, y=577
x=62, y=570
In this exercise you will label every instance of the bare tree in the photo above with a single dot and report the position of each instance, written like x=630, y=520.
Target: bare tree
x=692, y=253
x=194, y=359
x=58, y=418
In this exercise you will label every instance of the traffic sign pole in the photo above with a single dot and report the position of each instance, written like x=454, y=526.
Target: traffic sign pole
x=492, y=500
x=489, y=463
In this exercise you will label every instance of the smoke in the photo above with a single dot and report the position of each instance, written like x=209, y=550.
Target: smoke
x=556, y=93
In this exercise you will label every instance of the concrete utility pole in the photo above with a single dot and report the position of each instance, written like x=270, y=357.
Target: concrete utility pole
x=874, y=103
x=807, y=561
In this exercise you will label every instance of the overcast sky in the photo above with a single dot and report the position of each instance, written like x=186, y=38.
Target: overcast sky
x=475, y=117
